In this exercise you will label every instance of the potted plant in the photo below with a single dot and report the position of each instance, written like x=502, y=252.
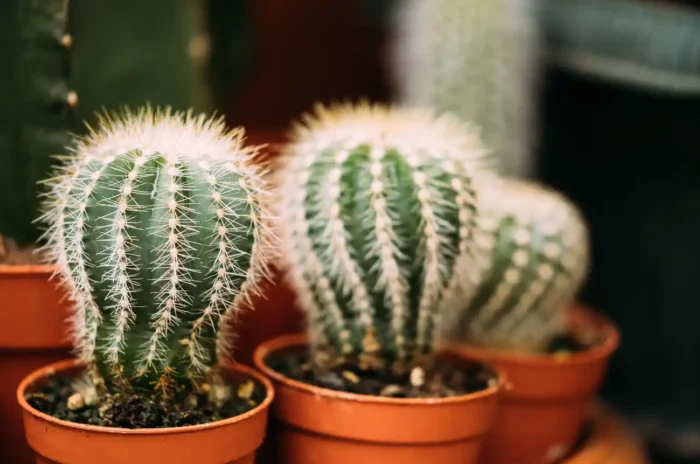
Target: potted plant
x=377, y=214
x=523, y=320
x=156, y=222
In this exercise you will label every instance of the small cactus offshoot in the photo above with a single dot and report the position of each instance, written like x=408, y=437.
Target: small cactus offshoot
x=379, y=221
x=540, y=259
x=156, y=222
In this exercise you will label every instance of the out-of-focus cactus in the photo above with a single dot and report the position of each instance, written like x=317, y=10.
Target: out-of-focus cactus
x=477, y=59
x=379, y=221
x=539, y=261
x=37, y=106
x=156, y=224
x=133, y=53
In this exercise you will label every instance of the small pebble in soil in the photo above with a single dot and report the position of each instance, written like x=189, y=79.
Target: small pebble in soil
x=58, y=399
x=437, y=378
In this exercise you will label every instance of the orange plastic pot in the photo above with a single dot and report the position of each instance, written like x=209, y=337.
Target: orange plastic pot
x=229, y=441
x=33, y=313
x=543, y=408
x=320, y=426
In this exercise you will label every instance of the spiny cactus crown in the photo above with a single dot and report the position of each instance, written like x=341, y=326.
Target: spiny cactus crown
x=156, y=223
x=539, y=261
x=378, y=223
x=476, y=59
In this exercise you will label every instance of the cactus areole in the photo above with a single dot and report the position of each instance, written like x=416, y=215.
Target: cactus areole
x=155, y=222
x=380, y=226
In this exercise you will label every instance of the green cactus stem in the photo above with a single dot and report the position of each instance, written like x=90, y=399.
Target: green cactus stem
x=379, y=221
x=37, y=106
x=156, y=221
x=540, y=259
x=133, y=53
x=478, y=60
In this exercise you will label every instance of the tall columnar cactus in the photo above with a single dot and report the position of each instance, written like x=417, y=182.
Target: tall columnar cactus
x=37, y=106
x=379, y=222
x=478, y=60
x=156, y=222
x=539, y=261
x=133, y=53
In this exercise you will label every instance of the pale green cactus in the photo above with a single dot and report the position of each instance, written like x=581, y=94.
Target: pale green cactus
x=539, y=261
x=379, y=226
x=156, y=222
x=478, y=60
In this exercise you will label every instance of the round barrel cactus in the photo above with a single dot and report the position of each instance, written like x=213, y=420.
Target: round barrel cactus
x=540, y=258
x=380, y=225
x=156, y=222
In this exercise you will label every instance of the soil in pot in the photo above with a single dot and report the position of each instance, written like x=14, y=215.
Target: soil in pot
x=175, y=437
x=59, y=399
x=433, y=378
x=348, y=411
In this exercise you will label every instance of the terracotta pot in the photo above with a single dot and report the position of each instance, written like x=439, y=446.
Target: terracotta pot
x=33, y=333
x=543, y=407
x=320, y=426
x=229, y=441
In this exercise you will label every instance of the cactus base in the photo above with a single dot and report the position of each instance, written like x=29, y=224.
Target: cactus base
x=60, y=399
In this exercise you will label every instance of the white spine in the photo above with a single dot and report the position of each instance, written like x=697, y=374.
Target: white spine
x=119, y=260
x=341, y=262
x=390, y=276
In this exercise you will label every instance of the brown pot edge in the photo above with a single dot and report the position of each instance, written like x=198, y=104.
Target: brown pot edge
x=28, y=269
x=591, y=356
x=71, y=363
x=300, y=339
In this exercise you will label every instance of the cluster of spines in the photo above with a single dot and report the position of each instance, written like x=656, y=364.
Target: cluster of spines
x=156, y=222
x=378, y=210
x=539, y=261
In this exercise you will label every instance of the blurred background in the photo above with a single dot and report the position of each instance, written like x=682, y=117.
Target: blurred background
x=598, y=98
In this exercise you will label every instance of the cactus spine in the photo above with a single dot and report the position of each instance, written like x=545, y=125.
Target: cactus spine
x=379, y=215
x=37, y=106
x=539, y=261
x=476, y=59
x=156, y=222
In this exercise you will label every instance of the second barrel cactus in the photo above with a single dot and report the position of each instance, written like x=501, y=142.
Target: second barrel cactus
x=380, y=226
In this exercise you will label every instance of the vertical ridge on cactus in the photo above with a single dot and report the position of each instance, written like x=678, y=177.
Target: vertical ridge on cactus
x=540, y=259
x=478, y=60
x=378, y=210
x=38, y=106
x=156, y=221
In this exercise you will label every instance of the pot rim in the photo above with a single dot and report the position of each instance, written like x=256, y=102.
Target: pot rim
x=28, y=269
x=300, y=339
x=70, y=363
x=605, y=326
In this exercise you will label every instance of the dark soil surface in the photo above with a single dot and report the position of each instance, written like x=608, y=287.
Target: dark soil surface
x=440, y=378
x=11, y=253
x=568, y=343
x=136, y=412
